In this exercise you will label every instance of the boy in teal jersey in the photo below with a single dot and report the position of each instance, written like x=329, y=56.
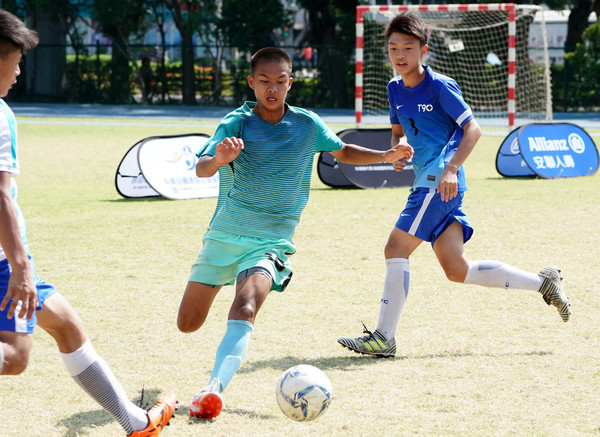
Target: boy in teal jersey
x=428, y=112
x=264, y=154
x=26, y=300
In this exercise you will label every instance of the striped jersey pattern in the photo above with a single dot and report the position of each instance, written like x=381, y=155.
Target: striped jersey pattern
x=264, y=191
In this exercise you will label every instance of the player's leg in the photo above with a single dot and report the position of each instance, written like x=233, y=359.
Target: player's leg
x=381, y=342
x=93, y=375
x=401, y=243
x=14, y=351
x=195, y=304
x=449, y=251
x=253, y=287
x=16, y=334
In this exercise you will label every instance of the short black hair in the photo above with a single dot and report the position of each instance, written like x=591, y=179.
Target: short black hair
x=270, y=54
x=15, y=35
x=409, y=24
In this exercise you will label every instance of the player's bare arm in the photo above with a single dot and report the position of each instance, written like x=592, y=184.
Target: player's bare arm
x=225, y=152
x=398, y=139
x=21, y=285
x=354, y=154
x=448, y=184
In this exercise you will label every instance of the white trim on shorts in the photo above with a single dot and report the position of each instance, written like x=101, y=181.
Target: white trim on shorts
x=419, y=217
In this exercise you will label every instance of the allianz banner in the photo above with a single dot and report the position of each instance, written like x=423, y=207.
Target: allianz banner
x=547, y=150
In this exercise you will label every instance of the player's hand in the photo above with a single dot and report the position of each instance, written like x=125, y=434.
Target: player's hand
x=228, y=149
x=21, y=288
x=400, y=164
x=401, y=151
x=448, y=185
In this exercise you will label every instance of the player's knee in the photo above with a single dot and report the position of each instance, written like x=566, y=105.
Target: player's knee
x=67, y=332
x=391, y=250
x=187, y=323
x=455, y=273
x=244, y=312
x=15, y=362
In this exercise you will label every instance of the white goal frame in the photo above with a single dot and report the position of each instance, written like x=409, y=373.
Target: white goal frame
x=511, y=9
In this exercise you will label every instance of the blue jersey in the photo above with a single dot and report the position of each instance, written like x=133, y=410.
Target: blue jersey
x=9, y=161
x=264, y=191
x=432, y=115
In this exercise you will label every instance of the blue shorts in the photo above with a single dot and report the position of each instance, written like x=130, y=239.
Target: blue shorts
x=17, y=324
x=224, y=256
x=426, y=216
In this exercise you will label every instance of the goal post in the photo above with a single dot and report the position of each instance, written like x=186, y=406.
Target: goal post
x=484, y=47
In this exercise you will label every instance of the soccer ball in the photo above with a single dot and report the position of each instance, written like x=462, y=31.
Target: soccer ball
x=303, y=392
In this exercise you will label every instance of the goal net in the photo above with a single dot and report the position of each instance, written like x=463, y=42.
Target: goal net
x=484, y=47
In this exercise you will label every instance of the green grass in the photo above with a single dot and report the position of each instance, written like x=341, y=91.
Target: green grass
x=471, y=361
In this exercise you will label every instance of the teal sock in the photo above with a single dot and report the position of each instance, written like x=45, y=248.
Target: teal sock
x=231, y=351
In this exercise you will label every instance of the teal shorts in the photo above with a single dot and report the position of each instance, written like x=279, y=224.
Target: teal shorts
x=224, y=256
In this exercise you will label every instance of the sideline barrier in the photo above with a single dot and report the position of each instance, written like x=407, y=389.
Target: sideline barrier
x=381, y=175
x=547, y=150
x=165, y=166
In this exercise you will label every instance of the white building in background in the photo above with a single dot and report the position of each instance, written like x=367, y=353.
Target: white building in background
x=556, y=33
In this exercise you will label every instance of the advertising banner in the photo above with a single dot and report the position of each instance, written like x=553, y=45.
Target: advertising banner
x=509, y=161
x=547, y=150
x=558, y=150
x=380, y=175
x=165, y=166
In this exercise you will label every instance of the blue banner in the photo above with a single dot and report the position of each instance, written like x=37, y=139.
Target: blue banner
x=558, y=150
x=509, y=161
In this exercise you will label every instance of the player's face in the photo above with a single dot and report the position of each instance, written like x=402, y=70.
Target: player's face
x=271, y=81
x=9, y=70
x=405, y=53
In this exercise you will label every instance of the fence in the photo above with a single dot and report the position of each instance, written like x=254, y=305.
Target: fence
x=323, y=77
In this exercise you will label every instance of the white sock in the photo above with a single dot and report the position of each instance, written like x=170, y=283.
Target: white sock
x=500, y=275
x=94, y=376
x=395, y=291
x=1, y=357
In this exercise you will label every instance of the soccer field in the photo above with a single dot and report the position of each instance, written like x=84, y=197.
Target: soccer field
x=471, y=361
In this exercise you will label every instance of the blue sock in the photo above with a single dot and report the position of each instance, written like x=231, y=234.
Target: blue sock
x=231, y=351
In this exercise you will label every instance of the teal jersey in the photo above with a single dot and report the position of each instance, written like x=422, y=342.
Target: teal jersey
x=264, y=190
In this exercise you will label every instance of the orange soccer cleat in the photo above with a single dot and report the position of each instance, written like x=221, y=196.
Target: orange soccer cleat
x=158, y=417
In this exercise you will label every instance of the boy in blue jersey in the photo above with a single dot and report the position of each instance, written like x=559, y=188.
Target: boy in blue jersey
x=264, y=153
x=25, y=299
x=428, y=112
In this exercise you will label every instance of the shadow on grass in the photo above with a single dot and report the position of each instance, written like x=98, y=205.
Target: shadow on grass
x=236, y=411
x=85, y=422
x=345, y=362
x=137, y=199
x=322, y=363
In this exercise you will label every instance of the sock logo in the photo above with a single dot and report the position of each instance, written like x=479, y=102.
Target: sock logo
x=385, y=301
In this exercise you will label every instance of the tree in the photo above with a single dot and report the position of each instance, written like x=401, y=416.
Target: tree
x=159, y=13
x=579, y=21
x=585, y=60
x=119, y=20
x=332, y=30
x=191, y=16
x=249, y=25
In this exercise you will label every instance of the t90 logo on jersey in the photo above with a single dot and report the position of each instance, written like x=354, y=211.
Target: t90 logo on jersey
x=424, y=108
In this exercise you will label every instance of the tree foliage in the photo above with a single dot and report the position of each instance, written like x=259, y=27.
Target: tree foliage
x=119, y=20
x=585, y=64
x=332, y=28
x=249, y=25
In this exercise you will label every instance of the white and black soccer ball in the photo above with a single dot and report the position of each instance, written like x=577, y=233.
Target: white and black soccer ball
x=303, y=392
